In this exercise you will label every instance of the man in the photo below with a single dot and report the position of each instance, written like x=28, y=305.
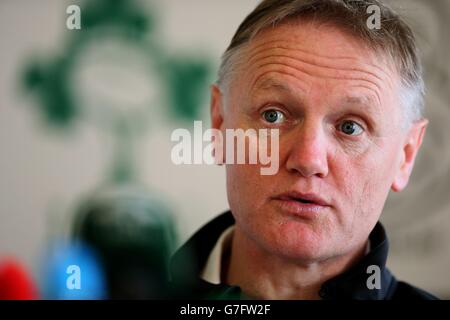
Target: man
x=347, y=101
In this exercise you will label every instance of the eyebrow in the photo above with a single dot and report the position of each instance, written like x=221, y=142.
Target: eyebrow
x=270, y=83
x=364, y=101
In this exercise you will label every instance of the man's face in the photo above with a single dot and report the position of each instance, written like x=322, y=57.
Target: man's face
x=341, y=140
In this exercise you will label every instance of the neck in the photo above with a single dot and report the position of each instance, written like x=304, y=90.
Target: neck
x=262, y=275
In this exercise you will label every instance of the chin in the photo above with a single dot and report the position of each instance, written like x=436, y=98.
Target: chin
x=302, y=253
x=297, y=241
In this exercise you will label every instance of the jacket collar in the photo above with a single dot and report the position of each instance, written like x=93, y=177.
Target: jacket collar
x=187, y=263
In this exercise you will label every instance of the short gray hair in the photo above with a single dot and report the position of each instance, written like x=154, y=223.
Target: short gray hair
x=395, y=38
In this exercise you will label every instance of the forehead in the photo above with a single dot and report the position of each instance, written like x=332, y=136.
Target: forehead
x=295, y=55
x=322, y=43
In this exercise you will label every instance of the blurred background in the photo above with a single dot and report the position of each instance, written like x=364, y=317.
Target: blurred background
x=86, y=117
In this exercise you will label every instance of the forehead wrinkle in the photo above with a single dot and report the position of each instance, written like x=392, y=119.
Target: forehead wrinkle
x=342, y=72
x=256, y=49
x=279, y=66
x=271, y=83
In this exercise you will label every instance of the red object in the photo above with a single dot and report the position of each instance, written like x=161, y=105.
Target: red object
x=15, y=283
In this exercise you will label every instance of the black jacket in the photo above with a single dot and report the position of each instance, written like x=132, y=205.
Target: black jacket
x=188, y=261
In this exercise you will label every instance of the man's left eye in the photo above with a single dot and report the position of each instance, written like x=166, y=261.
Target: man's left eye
x=351, y=128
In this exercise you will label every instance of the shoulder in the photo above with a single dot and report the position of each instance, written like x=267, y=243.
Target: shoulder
x=405, y=291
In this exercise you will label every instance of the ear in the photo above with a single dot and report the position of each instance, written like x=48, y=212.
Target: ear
x=411, y=147
x=216, y=110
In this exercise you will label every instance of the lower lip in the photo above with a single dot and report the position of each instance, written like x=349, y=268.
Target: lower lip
x=297, y=208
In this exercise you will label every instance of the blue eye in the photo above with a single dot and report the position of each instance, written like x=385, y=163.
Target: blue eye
x=351, y=128
x=273, y=116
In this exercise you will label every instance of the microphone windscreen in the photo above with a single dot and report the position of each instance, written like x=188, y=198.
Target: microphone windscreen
x=15, y=282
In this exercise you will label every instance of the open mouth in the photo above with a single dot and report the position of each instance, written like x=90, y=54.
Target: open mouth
x=304, y=200
x=310, y=199
x=302, y=205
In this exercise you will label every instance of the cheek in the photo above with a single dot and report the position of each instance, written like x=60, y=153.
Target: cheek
x=245, y=186
x=364, y=180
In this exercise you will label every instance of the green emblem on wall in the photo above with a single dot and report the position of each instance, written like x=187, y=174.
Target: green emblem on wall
x=116, y=73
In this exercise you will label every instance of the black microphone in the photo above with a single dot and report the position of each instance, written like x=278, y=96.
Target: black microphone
x=134, y=236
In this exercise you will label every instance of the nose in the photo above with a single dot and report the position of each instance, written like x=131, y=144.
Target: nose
x=308, y=150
